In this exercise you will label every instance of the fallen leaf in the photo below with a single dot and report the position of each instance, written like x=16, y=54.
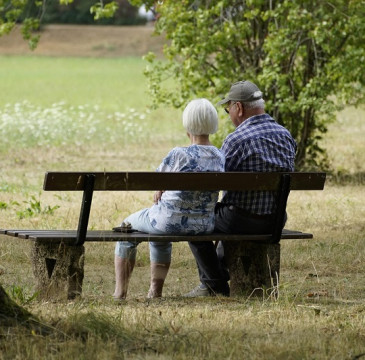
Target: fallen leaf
x=318, y=293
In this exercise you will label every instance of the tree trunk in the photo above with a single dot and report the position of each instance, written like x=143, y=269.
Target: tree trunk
x=11, y=314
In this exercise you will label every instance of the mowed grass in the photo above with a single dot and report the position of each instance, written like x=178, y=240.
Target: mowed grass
x=320, y=311
x=113, y=84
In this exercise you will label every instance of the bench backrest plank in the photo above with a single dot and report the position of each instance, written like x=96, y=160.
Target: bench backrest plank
x=136, y=181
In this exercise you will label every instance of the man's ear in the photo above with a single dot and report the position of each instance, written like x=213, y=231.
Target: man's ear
x=240, y=109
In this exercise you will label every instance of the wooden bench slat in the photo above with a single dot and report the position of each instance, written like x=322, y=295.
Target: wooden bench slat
x=135, y=181
x=109, y=236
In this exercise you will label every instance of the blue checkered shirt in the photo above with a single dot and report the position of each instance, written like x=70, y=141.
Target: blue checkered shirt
x=258, y=144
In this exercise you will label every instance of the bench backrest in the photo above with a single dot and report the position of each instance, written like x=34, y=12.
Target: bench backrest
x=135, y=181
x=282, y=183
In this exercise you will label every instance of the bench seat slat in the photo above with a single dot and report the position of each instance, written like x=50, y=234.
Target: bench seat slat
x=109, y=236
x=23, y=233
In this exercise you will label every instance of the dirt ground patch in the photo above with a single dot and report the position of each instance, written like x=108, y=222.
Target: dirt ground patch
x=86, y=40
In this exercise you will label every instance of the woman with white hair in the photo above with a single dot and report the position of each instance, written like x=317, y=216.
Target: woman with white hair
x=175, y=212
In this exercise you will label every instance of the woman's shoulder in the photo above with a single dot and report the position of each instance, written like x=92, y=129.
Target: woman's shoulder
x=195, y=152
x=178, y=150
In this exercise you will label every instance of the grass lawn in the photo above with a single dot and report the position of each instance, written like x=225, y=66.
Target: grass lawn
x=92, y=114
x=113, y=84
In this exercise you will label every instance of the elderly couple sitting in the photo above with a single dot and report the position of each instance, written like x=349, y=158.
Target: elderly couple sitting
x=257, y=144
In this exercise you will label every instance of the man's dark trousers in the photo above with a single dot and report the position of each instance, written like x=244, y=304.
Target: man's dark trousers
x=231, y=220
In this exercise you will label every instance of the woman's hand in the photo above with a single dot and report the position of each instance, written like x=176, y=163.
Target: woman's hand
x=157, y=196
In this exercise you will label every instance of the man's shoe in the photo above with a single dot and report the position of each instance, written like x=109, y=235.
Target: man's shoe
x=199, y=291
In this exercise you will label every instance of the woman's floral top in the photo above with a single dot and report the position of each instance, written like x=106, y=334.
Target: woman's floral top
x=187, y=212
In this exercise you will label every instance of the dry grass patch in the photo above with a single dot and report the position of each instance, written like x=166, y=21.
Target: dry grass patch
x=208, y=329
x=86, y=41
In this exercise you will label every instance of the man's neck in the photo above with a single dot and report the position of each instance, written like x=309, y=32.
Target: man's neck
x=252, y=112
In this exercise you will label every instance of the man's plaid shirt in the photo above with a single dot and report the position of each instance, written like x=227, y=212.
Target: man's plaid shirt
x=258, y=144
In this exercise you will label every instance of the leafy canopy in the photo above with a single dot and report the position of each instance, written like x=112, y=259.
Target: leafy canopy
x=15, y=11
x=306, y=56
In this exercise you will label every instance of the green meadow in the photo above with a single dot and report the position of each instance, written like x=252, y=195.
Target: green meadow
x=113, y=84
x=93, y=114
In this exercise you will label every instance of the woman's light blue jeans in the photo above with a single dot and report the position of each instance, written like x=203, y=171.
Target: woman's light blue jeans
x=160, y=252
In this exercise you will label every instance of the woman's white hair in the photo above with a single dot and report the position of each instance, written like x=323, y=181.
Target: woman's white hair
x=200, y=117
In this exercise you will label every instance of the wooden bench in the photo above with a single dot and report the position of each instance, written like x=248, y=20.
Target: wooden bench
x=253, y=260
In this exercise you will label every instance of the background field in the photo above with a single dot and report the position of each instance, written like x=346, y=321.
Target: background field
x=91, y=113
x=86, y=41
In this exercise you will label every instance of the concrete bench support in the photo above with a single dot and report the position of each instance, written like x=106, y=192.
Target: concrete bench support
x=59, y=269
x=253, y=268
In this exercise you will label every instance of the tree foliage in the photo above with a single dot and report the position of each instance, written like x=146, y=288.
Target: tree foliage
x=121, y=12
x=31, y=13
x=306, y=56
x=14, y=11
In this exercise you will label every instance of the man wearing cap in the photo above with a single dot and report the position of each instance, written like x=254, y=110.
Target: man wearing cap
x=258, y=143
